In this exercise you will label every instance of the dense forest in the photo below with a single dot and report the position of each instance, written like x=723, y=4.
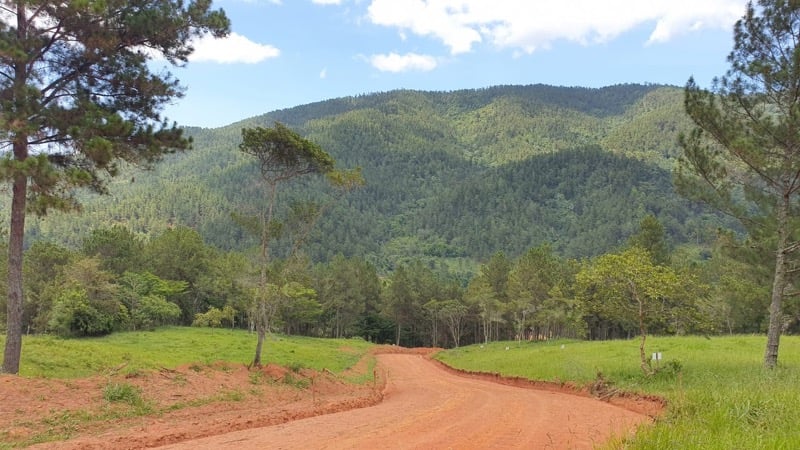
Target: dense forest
x=485, y=214
x=448, y=176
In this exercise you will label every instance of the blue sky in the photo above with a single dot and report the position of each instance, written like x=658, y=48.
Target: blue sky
x=284, y=53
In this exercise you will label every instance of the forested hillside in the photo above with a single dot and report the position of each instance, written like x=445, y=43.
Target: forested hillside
x=451, y=177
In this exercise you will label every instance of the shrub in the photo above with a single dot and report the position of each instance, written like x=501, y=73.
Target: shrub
x=122, y=393
x=75, y=315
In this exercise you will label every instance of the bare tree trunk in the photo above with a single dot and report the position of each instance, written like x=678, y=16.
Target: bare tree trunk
x=778, y=287
x=262, y=309
x=259, y=345
x=13, y=349
x=642, y=330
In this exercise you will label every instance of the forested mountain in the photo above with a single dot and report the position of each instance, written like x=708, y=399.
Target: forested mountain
x=451, y=177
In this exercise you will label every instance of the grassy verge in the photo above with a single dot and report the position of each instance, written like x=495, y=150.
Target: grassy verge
x=52, y=357
x=166, y=348
x=719, y=396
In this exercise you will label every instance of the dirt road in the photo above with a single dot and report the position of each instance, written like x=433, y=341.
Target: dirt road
x=426, y=407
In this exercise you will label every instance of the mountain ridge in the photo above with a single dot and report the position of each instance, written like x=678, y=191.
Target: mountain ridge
x=420, y=153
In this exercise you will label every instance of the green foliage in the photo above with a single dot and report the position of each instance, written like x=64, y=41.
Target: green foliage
x=119, y=249
x=214, y=317
x=179, y=254
x=44, y=278
x=87, y=304
x=349, y=289
x=146, y=297
x=74, y=315
x=283, y=154
x=295, y=381
x=652, y=239
x=153, y=310
x=404, y=298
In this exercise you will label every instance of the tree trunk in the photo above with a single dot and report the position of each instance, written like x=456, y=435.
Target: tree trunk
x=262, y=309
x=642, y=331
x=13, y=349
x=778, y=287
x=259, y=345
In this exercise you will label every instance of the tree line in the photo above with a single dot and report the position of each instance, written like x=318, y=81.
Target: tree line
x=118, y=280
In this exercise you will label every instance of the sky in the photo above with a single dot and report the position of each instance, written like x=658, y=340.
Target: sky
x=286, y=53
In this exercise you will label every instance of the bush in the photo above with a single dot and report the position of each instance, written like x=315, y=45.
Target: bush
x=74, y=315
x=153, y=311
x=214, y=317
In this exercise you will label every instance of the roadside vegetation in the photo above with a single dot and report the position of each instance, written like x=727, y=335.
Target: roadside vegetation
x=719, y=395
x=170, y=347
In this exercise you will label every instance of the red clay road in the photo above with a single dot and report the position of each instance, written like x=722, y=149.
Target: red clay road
x=426, y=407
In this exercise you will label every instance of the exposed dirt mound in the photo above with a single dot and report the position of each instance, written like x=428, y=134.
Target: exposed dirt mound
x=169, y=405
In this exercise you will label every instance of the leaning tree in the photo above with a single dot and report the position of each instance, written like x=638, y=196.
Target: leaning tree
x=743, y=156
x=77, y=96
x=282, y=155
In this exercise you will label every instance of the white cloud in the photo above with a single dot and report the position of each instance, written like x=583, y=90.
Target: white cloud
x=529, y=25
x=230, y=50
x=403, y=63
x=324, y=73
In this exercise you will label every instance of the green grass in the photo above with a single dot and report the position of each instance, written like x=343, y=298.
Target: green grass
x=131, y=352
x=720, y=398
x=123, y=393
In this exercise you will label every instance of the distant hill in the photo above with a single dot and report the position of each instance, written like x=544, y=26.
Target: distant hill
x=452, y=177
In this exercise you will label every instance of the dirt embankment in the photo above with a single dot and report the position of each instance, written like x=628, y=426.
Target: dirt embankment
x=197, y=402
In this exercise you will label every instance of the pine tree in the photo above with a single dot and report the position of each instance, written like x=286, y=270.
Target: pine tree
x=76, y=96
x=743, y=157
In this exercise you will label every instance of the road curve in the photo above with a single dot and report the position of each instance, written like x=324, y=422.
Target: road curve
x=426, y=407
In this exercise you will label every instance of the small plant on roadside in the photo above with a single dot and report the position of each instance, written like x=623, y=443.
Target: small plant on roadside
x=133, y=372
x=226, y=368
x=123, y=393
x=291, y=380
x=257, y=377
x=180, y=379
x=295, y=366
x=231, y=396
x=673, y=367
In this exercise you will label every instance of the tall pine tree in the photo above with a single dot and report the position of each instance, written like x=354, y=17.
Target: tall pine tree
x=76, y=96
x=743, y=157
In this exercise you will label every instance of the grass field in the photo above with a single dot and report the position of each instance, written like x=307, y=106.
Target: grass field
x=719, y=396
x=52, y=357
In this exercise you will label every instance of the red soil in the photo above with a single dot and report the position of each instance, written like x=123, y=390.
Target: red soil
x=412, y=402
